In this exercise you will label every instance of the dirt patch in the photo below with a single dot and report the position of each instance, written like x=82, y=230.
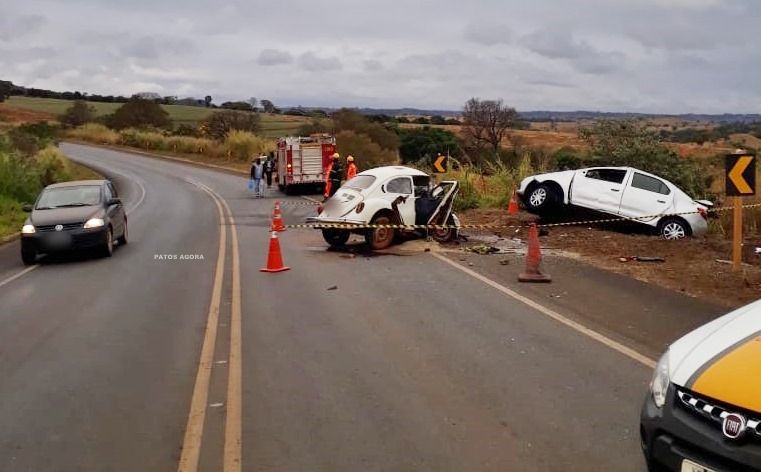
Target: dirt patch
x=690, y=265
x=17, y=115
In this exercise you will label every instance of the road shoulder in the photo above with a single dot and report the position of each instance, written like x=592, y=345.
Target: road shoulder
x=641, y=316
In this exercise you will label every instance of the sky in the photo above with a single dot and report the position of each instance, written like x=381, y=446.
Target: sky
x=652, y=56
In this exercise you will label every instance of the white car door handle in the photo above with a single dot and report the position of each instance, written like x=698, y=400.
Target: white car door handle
x=615, y=190
x=661, y=201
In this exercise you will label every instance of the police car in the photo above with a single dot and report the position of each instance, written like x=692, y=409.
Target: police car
x=703, y=411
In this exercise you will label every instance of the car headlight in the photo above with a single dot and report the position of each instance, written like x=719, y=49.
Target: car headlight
x=660, y=383
x=28, y=229
x=94, y=223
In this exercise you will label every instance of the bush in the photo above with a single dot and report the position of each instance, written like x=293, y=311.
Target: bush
x=350, y=120
x=52, y=166
x=220, y=123
x=77, y=114
x=139, y=113
x=368, y=154
x=567, y=159
x=244, y=146
x=149, y=140
x=189, y=145
x=95, y=133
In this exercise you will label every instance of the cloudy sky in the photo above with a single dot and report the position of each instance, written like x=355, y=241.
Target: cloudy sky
x=666, y=56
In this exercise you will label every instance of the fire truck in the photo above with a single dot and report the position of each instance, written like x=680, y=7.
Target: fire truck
x=301, y=161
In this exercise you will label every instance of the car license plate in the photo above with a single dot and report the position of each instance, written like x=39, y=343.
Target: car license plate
x=689, y=466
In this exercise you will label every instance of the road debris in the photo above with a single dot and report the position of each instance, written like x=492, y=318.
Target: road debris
x=641, y=259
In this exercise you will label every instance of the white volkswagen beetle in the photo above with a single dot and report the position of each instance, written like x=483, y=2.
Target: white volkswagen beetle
x=391, y=195
x=619, y=191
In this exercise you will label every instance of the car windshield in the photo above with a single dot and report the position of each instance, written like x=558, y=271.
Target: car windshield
x=85, y=195
x=360, y=182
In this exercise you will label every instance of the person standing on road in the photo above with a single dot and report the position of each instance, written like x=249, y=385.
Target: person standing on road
x=351, y=168
x=269, y=167
x=257, y=171
x=333, y=175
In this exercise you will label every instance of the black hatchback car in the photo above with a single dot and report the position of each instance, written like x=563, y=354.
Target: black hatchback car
x=79, y=215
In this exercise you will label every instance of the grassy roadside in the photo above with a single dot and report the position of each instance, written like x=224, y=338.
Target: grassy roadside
x=11, y=215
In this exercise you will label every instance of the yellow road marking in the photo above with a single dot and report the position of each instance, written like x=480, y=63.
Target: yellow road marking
x=191, y=444
x=233, y=428
x=735, y=378
x=615, y=345
x=736, y=174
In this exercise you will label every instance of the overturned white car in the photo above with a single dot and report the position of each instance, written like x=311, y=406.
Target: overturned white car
x=620, y=191
x=391, y=195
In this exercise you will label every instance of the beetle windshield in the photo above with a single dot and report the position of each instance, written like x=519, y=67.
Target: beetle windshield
x=360, y=182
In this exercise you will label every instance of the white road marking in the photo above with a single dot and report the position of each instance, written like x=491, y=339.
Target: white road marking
x=17, y=275
x=313, y=200
x=615, y=345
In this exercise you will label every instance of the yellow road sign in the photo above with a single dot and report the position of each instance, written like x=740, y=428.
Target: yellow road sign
x=440, y=164
x=741, y=175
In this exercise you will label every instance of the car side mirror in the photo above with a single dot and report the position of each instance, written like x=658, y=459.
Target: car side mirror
x=27, y=208
x=114, y=201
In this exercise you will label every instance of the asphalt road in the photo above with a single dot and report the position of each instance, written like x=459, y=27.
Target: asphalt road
x=346, y=362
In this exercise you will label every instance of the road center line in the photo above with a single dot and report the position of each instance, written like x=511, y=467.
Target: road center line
x=191, y=444
x=233, y=419
x=615, y=345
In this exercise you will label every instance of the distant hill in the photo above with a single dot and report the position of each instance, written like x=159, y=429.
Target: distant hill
x=581, y=115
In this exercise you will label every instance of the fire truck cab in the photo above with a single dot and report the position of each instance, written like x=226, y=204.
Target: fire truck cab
x=301, y=161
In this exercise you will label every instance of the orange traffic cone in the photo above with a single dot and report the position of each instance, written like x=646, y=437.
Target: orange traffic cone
x=513, y=208
x=274, y=258
x=533, y=259
x=277, y=219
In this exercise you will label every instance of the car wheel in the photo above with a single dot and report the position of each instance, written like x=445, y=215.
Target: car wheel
x=28, y=256
x=540, y=199
x=108, y=245
x=380, y=238
x=444, y=235
x=335, y=237
x=123, y=239
x=673, y=229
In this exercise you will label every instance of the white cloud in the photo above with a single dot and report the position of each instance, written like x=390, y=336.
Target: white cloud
x=645, y=55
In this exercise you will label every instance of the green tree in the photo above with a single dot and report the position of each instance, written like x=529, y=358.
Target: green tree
x=438, y=120
x=240, y=106
x=350, y=120
x=222, y=122
x=77, y=114
x=417, y=144
x=6, y=88
x=139, y=113
x=367, y=153
x=269, y=107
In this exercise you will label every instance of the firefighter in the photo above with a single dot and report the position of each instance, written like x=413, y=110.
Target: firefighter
x=333, y=176
x=351, y=168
